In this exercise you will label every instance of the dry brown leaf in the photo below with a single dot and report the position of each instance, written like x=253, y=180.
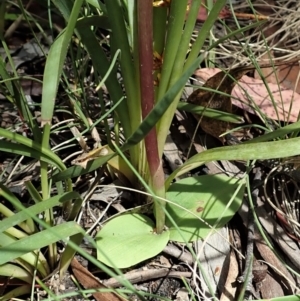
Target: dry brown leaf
x=89, y=281
x=209, y=99
x=214, y=255
x=84, y=158
x=285, y=99
x=270, y=288
x=268, y=255
x=286, y=75
x=258, y=93
x=230, y=287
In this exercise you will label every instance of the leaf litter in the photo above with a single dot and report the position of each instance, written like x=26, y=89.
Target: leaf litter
x=250, y=93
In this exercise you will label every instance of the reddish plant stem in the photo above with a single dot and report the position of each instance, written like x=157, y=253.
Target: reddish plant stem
x=146, y=78
x=145, y=43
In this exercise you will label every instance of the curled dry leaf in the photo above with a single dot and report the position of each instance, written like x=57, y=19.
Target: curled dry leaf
x=250, y=92
x=206, y=98
x=84, y=158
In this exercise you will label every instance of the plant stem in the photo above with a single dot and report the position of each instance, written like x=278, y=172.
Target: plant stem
x=46, y=194
x=145, y=40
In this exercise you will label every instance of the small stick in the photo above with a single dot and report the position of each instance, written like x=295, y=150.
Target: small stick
x=250, y=241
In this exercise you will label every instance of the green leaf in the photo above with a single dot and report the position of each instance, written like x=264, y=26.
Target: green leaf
x=102, y=65
x=129, y=239
x=28, y=148
x=285, y=298
x=30, y=258
x=220, y=115
x=13, y=271
x=207, y=197
x=206, y=27
x=94, y=3
x=37, y=208
x=69, y=253
x=98, y=4
x=54, y=64
x=75, y=171
x=22, y=150
x=161, y=106
x=18, y=291
x=279, y=133
x=244, y=151
x=99, y=21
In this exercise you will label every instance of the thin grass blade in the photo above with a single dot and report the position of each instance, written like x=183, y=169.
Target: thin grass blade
x=247, y=151
x=37, y=241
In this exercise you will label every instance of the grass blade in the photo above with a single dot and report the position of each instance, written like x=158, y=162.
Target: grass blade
x=54, y=65
x=38, y=240
x=245, y=151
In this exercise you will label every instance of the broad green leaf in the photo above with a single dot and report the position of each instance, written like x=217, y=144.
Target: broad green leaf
x=208, y=197
x=129, y=239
